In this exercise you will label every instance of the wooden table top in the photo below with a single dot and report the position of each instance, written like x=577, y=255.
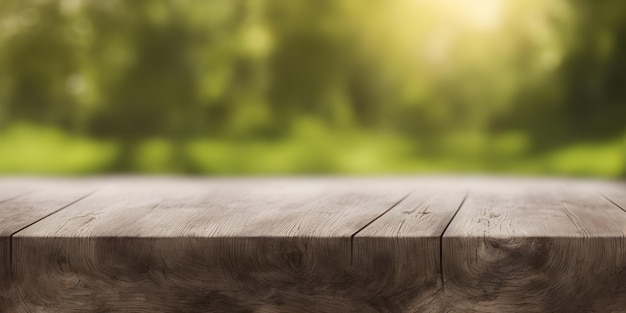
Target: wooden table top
x=394, y=244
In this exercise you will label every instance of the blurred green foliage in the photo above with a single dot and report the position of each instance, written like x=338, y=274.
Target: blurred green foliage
x=302, y=86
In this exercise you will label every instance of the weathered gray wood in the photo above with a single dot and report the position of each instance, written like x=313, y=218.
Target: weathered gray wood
x=8, y=192
x=23, y=202
x=615, y=192
x=535, y=247
x=30, y=201
x=315, y=245
x=401, y=250
x=217, y=246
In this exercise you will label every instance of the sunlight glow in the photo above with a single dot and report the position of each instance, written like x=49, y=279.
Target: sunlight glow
x=485, y=14
x=477, y=14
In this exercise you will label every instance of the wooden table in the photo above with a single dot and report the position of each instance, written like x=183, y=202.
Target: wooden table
x=430, y=244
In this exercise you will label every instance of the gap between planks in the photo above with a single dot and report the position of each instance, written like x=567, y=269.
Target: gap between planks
x=613, y=202
x=96, y=190
x=454, y=216
x=442, y=274
x=370, y=223
x=36, y=221
x=351, y=237
x=443, y=282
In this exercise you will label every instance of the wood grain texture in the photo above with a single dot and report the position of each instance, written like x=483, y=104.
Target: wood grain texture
x=204, y=246
x=614, y=192
x=401, y=250
x=36, y=199
x=8, y=192
x=314, y=245
x=535, y=247
x=23, y=202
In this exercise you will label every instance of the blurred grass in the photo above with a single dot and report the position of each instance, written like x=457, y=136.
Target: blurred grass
x=313, y=87
x=309, y=149
x=28, y=148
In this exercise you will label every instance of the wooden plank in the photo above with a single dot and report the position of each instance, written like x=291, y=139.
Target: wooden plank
x=9, y=190
x=181, y=246
x=615, y=192
x=324, y=245
x=22, y=203
x=31, y=202
x=535, y=247
x=402, y=249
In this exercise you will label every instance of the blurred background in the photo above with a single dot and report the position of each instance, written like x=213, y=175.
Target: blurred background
x=245, y=87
